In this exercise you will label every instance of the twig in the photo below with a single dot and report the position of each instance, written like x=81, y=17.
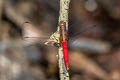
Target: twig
x=63, y=16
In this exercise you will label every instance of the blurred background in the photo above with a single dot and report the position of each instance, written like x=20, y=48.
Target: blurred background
x=94, y=39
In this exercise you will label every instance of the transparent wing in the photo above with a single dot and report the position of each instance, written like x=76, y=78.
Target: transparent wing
x=33, y=35
x=85, y=30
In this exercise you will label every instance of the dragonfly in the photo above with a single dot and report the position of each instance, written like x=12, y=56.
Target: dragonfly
x=62, y=41
x=31, y=34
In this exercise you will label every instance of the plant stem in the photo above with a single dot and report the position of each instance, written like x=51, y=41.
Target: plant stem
x=64, y=75
x=63, y=16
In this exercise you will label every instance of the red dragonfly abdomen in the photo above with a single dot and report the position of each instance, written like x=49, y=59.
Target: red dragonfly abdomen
x=63, y=39
x=65, y=53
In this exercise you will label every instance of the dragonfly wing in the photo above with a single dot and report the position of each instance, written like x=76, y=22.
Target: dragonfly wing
x=85, y=30
x=34, y=40
x=32, y=35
